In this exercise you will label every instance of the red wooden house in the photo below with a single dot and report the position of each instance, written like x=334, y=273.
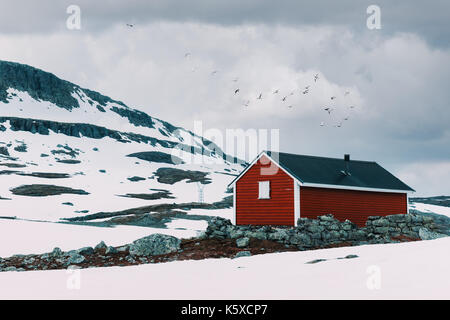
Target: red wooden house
x=278, y=188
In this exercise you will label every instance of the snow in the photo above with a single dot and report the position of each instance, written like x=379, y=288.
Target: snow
x=423, y=207
x=104, y=188
x=414, y=270
x=31, y=237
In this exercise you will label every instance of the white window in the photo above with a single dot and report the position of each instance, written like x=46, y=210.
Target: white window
x=264, y=190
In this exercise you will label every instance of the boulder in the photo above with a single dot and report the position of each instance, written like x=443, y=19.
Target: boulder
x=76, y=258
x=382, y=222
x=242, y=242
x=57, y=252
x=85, y=251
x=328, y=217
x=155, y=244
x=426, y=234
x=243, y=254
x=111, y=250
x=101, y=245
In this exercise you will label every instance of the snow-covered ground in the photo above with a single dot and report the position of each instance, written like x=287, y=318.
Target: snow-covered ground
x=105, y=187
x=414, y=270
x=28, y=237
x=427, y=208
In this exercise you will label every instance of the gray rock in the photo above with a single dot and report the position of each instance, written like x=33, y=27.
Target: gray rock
x=125, y=248
x=10, y=269
x=111, y=250
x=334, y=234
x=130, y=259
x=350, y=256
x=316, y=261
x=279, y=235
x=235, y=233
x=243, y=254
x=57, y=252
x=29, y=261
x=85, y=251
x=397, y=218
x=155, y=244
x=358, y=235
x=327, y=217
x=426, y=234
x=143, y=260
x=315, y=228
x=382, y=222
x=333, y=226
x=260, y=235
x=76, y=258
x=381, y=230
x=242, y=242
x=218, y=234
x=101, y=245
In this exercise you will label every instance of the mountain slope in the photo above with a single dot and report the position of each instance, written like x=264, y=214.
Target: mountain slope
x=68, y=152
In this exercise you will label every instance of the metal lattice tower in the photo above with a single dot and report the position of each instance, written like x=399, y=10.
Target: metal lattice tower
x=200, y=187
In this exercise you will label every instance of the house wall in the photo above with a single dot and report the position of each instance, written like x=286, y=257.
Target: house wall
x=278, y=210
x=355, y=206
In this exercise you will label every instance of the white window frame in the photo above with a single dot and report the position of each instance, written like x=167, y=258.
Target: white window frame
x=260, y=185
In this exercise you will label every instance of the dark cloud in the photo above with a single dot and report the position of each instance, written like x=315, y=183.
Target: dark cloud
x=429, y=19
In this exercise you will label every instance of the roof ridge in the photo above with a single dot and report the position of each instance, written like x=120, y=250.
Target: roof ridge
x=316, y=157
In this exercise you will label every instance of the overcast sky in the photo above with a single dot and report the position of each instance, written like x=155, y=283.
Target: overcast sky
x=397, y=76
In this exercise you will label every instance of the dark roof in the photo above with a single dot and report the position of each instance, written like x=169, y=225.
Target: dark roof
x=321, y=170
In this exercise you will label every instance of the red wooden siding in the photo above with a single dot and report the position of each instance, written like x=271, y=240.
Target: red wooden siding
x=278, y=210
x=355, y=206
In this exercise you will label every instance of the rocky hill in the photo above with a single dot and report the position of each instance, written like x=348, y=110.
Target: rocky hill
x=69, y=153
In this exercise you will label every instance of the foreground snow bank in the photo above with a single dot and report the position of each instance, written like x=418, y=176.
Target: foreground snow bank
x=417, y=270
x=30, y=237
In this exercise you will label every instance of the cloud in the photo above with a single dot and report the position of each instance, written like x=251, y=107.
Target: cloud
x=397, y=82
x=428, y=19
x=427, y=182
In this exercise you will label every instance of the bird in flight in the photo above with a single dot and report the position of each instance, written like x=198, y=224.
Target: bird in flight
x=275, y=92
x=338, y=125
x=246, y=103
x=333, y=97
x=307, y=87
x=290, y=106
x=236, y=91
x=260, y=96
x=187, y=54
x=352, y=107
x=292, y=93
x=328, y=109
x=284, y=98
x=306, y=91
x=130, y=25
x=316, y=77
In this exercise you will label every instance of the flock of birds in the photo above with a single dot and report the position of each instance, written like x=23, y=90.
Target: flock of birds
x=329, y=109
x=284, y=98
